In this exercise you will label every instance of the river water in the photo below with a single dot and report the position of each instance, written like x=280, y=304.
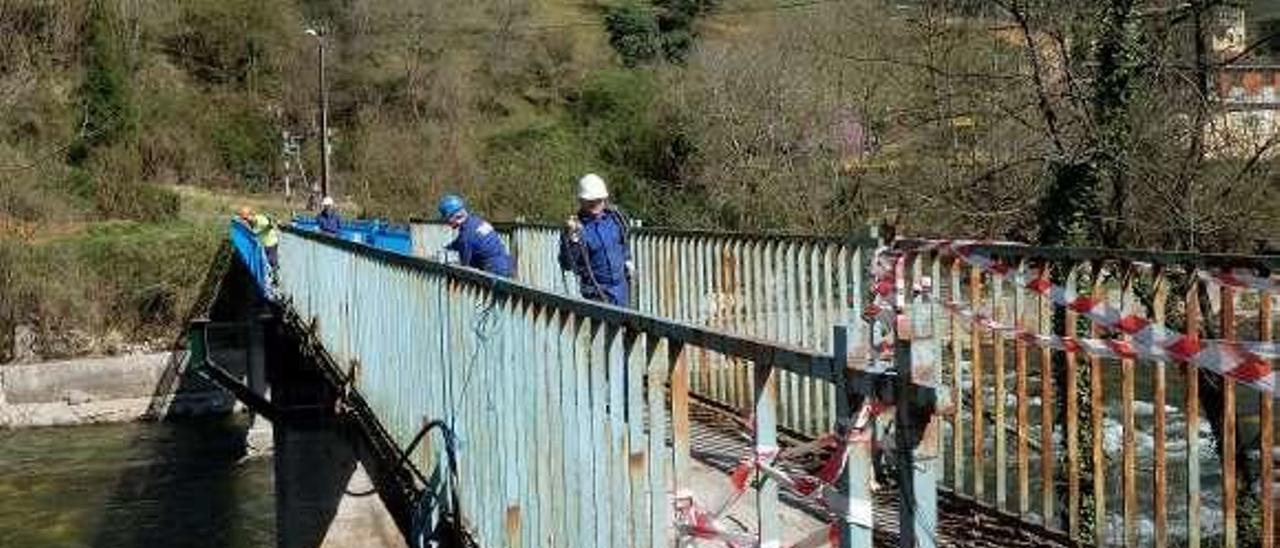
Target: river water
x=180, y=483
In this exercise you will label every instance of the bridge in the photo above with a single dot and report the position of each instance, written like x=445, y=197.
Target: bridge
x=789, y=390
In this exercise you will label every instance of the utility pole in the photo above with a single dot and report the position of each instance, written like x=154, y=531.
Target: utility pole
x=324, y=115
x=284, y=137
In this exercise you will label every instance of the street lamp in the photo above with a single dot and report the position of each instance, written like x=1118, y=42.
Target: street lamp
x=324, y=115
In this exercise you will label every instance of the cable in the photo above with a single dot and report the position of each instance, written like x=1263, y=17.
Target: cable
x=586, y=263
x=113, y=117
x=581, y=244
x=448, y=530
x=482, y=336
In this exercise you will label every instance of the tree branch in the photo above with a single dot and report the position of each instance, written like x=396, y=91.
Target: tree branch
x=1037, y=72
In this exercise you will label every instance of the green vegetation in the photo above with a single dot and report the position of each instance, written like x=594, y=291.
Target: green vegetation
x=634, y=34
x=99, y=290
x=108, y=115
x=665, y=30
x=740, y=114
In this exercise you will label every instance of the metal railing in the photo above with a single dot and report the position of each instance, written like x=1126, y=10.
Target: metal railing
x=429, y=238
x=784, y=288
x=1050, y=419
x=1064, y=411
x=575, y=416
x=381, y=234
x=789, y=289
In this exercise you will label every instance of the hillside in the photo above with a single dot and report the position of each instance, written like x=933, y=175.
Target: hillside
x=132, y=129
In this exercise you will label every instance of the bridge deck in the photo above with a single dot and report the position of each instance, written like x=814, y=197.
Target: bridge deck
x=718, y=444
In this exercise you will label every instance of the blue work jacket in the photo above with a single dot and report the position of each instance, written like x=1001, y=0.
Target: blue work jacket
x=599, y=258
x=329, y=221
x=479, y=246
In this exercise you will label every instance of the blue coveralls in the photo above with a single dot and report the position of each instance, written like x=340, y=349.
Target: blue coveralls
x=330, y=222
x=479, y=246
x=602, y=269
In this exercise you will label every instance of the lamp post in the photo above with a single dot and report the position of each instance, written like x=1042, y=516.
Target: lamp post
x=324, y=116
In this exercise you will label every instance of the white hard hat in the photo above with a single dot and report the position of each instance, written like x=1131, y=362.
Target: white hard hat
x=327, y=202
x=591, y=187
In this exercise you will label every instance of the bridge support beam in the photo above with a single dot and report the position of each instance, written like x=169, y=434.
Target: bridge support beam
x=203, y=364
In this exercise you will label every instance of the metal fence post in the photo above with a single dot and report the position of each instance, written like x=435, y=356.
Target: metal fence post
x=766, y=445
x=915, y=358
x=857, y=523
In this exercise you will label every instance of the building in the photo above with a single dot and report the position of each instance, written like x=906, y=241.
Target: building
x=1246, y=120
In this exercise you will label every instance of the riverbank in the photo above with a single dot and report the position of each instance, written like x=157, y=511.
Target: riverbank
x=106, y=390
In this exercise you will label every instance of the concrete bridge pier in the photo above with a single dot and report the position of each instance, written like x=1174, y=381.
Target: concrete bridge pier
x=260, y=439
x=327, y=495
x=324, y=495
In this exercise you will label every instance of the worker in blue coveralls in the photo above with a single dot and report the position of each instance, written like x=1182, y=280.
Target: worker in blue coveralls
x=328, y=219
x=594, y=247
x=478, y=245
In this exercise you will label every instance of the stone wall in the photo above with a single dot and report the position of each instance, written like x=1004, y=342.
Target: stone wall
x=116, y=389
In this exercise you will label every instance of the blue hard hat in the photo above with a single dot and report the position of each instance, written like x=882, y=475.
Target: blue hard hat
x=450, y=204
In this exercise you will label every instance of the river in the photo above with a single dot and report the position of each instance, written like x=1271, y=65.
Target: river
x=177, y=483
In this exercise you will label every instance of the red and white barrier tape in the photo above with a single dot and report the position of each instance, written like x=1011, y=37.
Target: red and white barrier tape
x=1149, y=340
x=696, y=522
x=1102, y=348
x=1243, y=361
x=886, y=268
x=1240, y=278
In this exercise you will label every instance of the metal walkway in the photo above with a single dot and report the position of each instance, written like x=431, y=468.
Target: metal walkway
x=719, y=444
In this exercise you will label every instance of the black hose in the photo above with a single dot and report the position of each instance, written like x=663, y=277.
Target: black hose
x=408, y=451
x=449, y=530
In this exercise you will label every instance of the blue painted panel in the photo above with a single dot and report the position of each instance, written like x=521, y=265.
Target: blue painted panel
x=378, y=234
x=252, y=255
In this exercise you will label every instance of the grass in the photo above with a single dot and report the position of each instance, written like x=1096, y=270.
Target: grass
x=91, y=291
x=102, y=287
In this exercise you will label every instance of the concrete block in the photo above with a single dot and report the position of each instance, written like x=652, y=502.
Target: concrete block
x=97, y=379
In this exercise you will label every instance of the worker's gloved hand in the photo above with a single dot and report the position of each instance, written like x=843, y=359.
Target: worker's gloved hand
x=573, y=229
x=631, y=270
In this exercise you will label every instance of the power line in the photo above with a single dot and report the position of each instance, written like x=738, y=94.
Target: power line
x=51, y=152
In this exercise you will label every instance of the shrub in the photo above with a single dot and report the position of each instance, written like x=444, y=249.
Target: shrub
x=121, y=199
x=51, y=196
x=230, y=41
x=642, y=34
x=247, y=145
x=536, y=166
x=109, y=115
x=618, y=112
x=131, y=278
x=633, y=33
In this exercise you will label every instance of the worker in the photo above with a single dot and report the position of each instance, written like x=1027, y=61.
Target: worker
x=263, y=227
x=478, y=245
x=330, y=222
x=594, y=247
